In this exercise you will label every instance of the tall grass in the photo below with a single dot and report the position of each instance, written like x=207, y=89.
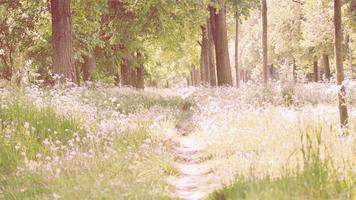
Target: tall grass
x=48, y=155
x=135, y=171
x=128, y=102
x=24, y=128
x=315, y=178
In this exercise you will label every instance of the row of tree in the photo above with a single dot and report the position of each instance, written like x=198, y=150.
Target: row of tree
x=216, y=29
x=113, y=40
x=300, y=34
x=123, y=41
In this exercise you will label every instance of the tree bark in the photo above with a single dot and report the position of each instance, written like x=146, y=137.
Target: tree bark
x=349, y=39
x=353, y=7
x=264, y=42
x=339, y=64
x=140, y=78
x=237, y=49
x=192, y=77
x=88, y=67
x=211, y=54
x=197, y=76
x=315, y=71
x=201, y=61
x=223, y=68
x=7, y=71
x=326, y=64
x=244, y=77
x=133, y=79
x=188, y=81
x=140, y=73
x=204, y=66
x=125, y=73
x=62, y=44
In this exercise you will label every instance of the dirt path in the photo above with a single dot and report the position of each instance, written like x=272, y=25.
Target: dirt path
x=196, y=180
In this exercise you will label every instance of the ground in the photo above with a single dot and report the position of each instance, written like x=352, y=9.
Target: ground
x=104, y=142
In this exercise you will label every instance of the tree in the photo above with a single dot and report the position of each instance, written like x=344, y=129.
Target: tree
x=204, y=63
x=316, y=39
x=315, y=71
x=237, y=22
x=353, y=13
x=326, y=66
x=125, y=73
x=264, y=42
x=62, y=44
x=223, y=68
x=18, y=33
x=349, y=46
x=211, y=52
x=339, y=63
x=88, y=67
x=140, y=72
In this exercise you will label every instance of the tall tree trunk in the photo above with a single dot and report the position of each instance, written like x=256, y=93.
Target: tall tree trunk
x=326, y=64
x=243, y=72
x=237, y=49
x=192, y=77
x=202, y=61
x=353, y=12
x=264, y=42
x=140, y=73
x=223, y=68
x=205, y=57
x=197, y=76
x=63, y=53
x=7, y=71
x=339, y=64
x=140, y=78
x=125, y=73
x=349, y=39
x=133, y=73
x=211, y=53
x=88, y=67
x=188, y=81
x=315, y=71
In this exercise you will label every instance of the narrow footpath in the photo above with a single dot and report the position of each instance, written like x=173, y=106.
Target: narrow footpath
x=195, y=180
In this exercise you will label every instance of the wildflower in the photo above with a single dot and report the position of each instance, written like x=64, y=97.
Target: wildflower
x=113, y=100
x=1, y=51
x=56, y=196
x=27, y=125
x=46, y=142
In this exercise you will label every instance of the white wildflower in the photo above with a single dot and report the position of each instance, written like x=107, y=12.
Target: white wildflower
x=26, y=125
x=56, y=196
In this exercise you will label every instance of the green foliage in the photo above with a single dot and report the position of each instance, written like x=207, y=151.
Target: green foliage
x=166, y=33
x=317, y=38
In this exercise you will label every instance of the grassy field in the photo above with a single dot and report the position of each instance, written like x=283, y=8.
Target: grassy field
x=277, y=149
x=86, y=143
x=101, y=142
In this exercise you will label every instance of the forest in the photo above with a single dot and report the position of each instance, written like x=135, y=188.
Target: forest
x=178, y=99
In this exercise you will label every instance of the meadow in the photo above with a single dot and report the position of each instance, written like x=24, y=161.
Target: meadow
x=103, y=142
